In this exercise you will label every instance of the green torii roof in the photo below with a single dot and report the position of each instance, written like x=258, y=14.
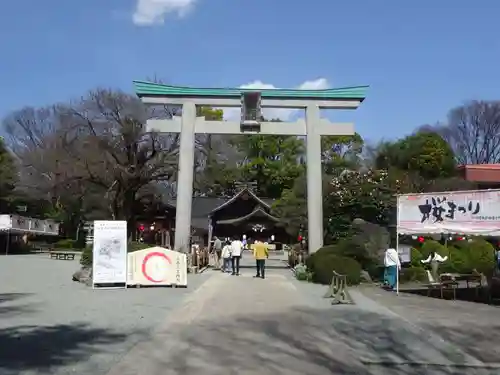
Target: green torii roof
x=143, y=88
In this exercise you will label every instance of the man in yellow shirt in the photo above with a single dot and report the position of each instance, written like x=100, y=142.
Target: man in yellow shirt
x=260, y=253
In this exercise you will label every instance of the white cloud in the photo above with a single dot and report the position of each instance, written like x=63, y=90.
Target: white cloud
x=153, y=12
x=272, y=113
x=317, y=84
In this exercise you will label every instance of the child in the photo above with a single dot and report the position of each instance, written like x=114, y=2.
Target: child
x=226, y=256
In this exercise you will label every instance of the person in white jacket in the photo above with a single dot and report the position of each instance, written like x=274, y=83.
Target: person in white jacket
x=226, y=256
x=392, y=266
x=236, y=249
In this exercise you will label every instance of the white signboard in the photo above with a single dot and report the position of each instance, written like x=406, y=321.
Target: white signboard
x=157, y=266
x=5, y=222
x=110, y=252
x=404, y=252
x=466, y=212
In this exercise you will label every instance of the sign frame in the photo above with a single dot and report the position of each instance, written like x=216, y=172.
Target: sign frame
x=157, y=266
x=466, y=218
x=109, y=249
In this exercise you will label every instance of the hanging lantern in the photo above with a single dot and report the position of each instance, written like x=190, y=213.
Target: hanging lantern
x=141, y=227
x=299, y=238
x=421, y=239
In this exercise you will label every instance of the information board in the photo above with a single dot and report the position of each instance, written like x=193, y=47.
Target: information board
x=110, y=253
x=157, y=266
x=404, y=252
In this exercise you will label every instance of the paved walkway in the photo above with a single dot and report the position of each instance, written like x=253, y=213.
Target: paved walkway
x=246, y=326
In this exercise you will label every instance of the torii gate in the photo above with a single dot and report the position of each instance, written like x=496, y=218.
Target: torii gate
x=251, y=101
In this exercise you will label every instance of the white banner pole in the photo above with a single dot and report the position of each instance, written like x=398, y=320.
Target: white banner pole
x=397, y=245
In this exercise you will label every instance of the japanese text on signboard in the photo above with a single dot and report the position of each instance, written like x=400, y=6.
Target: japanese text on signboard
x=438, y=209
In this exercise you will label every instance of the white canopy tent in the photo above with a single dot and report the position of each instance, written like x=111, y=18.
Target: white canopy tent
x=20, y=225
x=469, y=213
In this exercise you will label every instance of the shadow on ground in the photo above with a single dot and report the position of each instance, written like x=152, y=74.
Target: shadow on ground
x=268, y=267
x=9, y=304
x=478, y=340
x=45, y=348
x=340, y=340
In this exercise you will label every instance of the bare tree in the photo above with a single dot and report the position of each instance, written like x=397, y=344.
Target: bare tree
x=112, y=151
x=46, y=174
x=34, y=135
x=95, y=148
x=473, y=132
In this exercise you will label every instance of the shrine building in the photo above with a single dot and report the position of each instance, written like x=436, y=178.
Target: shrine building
x=242, y=214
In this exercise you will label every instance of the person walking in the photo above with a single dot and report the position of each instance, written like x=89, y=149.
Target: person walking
x=218, y=251
x=236, y=249
x=226, y=257
x=260, y=253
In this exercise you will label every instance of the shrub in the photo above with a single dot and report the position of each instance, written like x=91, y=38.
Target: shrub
x=458, y=261
x=481, y=256
x=65, y=243
x=302, y=273
x=376, y=272
x=348, y=249
x=134, y=246
x=412, y=274
x=430, y=246
x=465, y=256
x=87, y=257
x=416, y=257
x=323, y=265
x=329, y=249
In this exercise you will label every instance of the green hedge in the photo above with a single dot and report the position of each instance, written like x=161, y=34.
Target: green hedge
x=322, y=264
x=67, y=243
x=412, y=274
x=430, y=246
x=416, y=257
x=481, y=256
x=346, y=248
x=87, y=254
x=463, y=257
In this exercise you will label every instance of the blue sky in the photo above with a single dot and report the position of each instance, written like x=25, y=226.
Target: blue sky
x=420, y=58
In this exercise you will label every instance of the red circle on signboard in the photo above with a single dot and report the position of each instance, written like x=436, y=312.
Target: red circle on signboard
x=147, y=258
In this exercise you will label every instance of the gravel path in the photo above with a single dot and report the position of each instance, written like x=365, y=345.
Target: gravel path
x=52, y=325
x=241, y=325
x=228, y=324
x=472, y=327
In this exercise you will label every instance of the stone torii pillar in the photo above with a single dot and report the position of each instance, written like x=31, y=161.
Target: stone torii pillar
x=189, y=124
